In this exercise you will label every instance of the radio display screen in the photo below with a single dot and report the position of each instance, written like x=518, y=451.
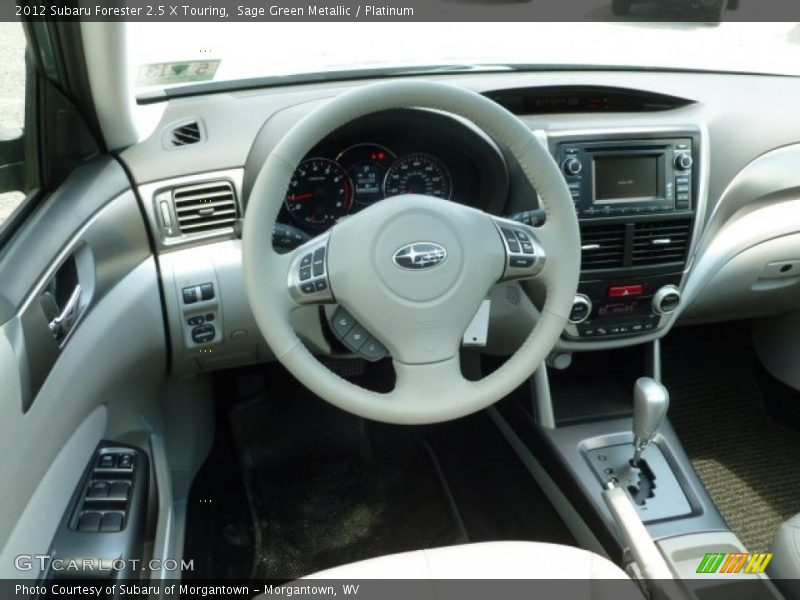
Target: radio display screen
x=625, y=177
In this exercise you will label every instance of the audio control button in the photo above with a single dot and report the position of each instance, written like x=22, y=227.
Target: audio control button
x=581, y=309
x=666, y=300
x=683, y=161
x=571, y=167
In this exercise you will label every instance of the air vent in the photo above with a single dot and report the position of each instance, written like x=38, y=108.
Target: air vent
x=659, y=243
x=186, y=134
x=602, y=246
x=205, y=206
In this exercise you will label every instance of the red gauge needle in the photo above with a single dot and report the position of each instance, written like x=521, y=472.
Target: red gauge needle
x=301, y=197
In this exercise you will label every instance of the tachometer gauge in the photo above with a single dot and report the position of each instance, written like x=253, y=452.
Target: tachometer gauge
x=366, y=165
x=418, y=174
x=319, y=194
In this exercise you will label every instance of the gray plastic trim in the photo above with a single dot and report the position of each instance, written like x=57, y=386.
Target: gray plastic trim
x=571, y=442
x=576, y=525
x=35, y=526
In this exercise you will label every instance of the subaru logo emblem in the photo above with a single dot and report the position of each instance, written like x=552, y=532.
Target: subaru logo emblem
x=420, y=255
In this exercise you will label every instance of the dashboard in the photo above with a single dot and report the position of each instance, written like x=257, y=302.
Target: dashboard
x=664, y=235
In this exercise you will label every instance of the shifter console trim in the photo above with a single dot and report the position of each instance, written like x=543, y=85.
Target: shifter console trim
x=653, y=488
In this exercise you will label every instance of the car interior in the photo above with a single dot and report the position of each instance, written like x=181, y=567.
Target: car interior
x=462, y=324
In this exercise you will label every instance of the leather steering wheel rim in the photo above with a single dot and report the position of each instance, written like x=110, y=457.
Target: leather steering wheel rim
x=429, y=386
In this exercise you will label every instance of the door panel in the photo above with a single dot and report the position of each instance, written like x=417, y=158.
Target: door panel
x=83, y=257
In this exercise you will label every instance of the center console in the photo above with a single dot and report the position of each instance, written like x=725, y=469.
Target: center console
x=636, y=196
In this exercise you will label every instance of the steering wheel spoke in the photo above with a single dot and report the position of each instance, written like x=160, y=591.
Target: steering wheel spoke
x=525, y=255
x=308, y=278
x=435, y=383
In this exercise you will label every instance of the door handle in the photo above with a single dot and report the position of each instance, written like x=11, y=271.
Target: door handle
x=63, y=321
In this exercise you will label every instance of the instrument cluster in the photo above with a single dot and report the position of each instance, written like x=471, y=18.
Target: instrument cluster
x=323, y=190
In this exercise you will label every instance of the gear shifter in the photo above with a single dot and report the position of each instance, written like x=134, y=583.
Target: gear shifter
x=650, y=403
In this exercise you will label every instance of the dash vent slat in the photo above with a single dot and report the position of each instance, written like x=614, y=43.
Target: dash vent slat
x=184, y=135
x=602, y=246
x=205, y=207
x=656, y=243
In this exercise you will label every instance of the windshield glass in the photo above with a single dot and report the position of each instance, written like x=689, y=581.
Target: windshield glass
x=168, y=54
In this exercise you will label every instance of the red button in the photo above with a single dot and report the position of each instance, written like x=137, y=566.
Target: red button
x=621, y=291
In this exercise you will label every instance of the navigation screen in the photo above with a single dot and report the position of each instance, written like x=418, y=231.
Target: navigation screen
x=625, y=177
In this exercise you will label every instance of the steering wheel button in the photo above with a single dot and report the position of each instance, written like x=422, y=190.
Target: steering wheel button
x=356, y=338
x=342, y=323
x=320, y=284
x=523, y=237
x=306, y=260
x=520, y=262
x=305, y=273
x=372, y=350
x=511, y=239
x=307, y=287
x=319, y=261
x=527, y=247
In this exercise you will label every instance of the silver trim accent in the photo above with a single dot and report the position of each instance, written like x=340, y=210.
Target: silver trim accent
x=161, y=191
x=584, y=300
x=659, y=296
x=63, y=322
x=294, y=282
x=537, y=258
x=418, y=256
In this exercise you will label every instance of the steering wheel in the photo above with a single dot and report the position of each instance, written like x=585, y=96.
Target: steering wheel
x=412, y=270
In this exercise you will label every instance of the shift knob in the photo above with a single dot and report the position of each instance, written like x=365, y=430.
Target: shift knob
x=650, y=404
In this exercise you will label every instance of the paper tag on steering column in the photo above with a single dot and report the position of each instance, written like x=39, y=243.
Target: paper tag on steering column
x=478, y=329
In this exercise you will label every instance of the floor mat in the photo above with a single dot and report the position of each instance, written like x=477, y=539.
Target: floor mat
x=314, y=509
x=749, y=462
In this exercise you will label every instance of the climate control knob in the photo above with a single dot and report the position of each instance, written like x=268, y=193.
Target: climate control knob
x=666, y=300
x=571, y=167
x=581, y=309
x=683, y=161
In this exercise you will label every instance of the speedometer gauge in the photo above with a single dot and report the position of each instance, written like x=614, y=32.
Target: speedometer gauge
x=319, y=193
x=418, y=174
x=366, y=165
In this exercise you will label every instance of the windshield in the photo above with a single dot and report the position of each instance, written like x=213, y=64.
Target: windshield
x=169, y=54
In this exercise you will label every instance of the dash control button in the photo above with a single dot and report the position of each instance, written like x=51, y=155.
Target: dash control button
x=202, y=334
x=190, y=295
x=207, y=291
